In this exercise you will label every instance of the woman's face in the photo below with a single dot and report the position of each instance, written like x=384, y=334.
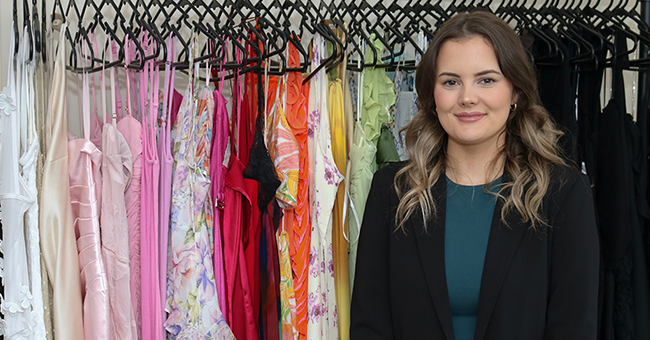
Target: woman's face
x=472, y=96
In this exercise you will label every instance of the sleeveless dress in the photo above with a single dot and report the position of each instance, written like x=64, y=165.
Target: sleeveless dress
x=193, y=305
x=116, y=170
x=15, y=199
x=324, y=181
x=84, y=162
x=58, y=243
x=299, y=232
x=151, y=304
x=131, y=130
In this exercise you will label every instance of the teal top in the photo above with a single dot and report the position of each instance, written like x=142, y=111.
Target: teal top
x=467, y=230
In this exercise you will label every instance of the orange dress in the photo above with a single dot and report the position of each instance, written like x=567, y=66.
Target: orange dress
x=300, y=231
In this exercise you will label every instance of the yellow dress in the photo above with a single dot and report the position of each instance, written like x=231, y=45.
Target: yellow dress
x=339, y=243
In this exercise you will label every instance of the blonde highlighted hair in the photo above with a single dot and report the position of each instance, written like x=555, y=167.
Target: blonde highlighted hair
x=531, y=138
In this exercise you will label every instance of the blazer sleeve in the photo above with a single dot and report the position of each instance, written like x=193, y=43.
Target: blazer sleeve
x=572, y=309
x=371, y=306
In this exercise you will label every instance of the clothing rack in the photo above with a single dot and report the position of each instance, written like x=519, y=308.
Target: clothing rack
x=261, y=32
x=281, y=22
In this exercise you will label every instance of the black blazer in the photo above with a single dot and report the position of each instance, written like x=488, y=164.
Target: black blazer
x=534, y=286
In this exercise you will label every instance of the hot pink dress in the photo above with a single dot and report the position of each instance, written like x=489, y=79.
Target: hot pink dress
x=152, y=323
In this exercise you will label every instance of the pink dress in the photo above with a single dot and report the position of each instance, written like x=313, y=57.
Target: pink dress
x=165, y=190
x=84, y=161
x=131, y=129
x=116, y=170
x=152, y=321
x=218, y=178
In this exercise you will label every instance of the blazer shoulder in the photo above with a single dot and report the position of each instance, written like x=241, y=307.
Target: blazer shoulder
x=384, y=178
x=567, y=185
x=565, y=179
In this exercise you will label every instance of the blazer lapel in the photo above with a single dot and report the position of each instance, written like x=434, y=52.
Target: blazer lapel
x=502, y=245
x=431, y=248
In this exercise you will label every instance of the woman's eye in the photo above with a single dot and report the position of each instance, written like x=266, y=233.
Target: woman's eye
x=487, y=81
x=450, y=82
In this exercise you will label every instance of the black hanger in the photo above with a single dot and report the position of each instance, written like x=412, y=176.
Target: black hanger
x=28, y=25
x=16, y=33
x=37, y=31
x=327, y=60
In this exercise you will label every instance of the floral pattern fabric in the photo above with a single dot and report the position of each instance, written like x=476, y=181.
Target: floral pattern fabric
x=193, y=303
x=324, y=182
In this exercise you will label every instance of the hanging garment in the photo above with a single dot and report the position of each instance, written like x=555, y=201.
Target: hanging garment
x=299, y=232
x=85, y=181
x=269, y=280
x=362, y=154
x=57, y=232
x=193, y=306
x=237, y=227
x=283, y=149
x=339, y=224
x=42, y=92
x=131, y=129
x=151, y=304
x=166, y=165
x=324, y=181
x=386, y=151
x=220, y=155
x=625, y=281
x=31, y=146
x=116, y=175
x=557, y=91
x=84, y=163
x=378, y=96
x=288, y=319
x=15, y=199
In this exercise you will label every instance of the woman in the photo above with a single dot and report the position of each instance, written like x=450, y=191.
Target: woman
x=485, y=233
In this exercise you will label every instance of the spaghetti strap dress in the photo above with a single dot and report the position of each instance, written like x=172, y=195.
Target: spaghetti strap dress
x=58, y=242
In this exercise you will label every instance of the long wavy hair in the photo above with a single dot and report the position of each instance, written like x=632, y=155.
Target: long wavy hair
x=530, y=149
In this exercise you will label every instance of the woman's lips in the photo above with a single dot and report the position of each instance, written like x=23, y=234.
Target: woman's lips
x=470, y=117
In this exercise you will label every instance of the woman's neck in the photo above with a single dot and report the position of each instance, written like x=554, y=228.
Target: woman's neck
x=474, y=164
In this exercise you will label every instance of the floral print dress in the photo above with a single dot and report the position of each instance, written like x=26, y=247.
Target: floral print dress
x=193, y=303
x=324, y=182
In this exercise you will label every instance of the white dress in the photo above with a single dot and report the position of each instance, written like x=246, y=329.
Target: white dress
x=31, y=148
x=15, y=200
x=324, y=179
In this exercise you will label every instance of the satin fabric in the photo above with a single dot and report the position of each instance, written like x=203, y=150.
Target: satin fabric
x=58, y=244
x=238, y=228
x=220, y=155
x=116, y=174
x=339, y=222
x=299, y=232
x=85, y=182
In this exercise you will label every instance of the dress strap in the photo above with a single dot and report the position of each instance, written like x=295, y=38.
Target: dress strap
x=170, y=100
x=127, y=61
x=154, y=102
x=102, y=79
x=113, y=94
x=93, y=41
x=118, y=98
x=86, y=97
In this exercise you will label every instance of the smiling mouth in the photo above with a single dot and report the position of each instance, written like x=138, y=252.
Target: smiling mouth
x=470, y=117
